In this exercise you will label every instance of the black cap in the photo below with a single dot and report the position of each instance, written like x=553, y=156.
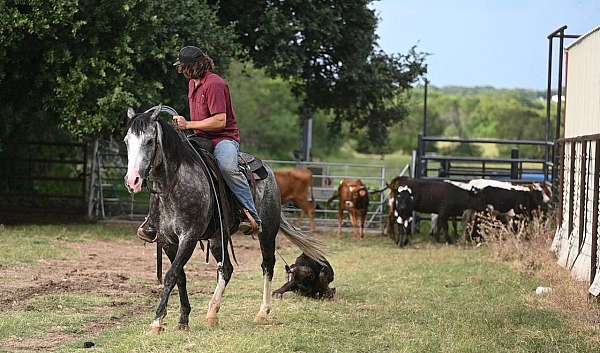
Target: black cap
x=189, y=55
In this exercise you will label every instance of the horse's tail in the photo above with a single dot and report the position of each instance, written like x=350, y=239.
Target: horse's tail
x=309, y=245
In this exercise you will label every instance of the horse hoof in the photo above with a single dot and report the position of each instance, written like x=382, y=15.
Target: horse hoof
x=155, y=330
x=212, y=321
x=183, y=327
x=261, y=319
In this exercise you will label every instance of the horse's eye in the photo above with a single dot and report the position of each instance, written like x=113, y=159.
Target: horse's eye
x=150, y=141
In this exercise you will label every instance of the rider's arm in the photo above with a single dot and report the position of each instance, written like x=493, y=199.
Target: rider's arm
x=214, y=123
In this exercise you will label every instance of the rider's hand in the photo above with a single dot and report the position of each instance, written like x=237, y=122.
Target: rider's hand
x=180, y=122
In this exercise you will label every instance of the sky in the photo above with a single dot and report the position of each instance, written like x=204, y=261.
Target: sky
x=499, y=43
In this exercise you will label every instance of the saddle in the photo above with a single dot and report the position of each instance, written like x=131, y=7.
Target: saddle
x=251, y=166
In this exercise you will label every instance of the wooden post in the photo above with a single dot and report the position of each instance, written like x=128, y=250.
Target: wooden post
x=596, y=183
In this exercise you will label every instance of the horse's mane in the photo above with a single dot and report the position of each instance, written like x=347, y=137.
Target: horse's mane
x=175, y=148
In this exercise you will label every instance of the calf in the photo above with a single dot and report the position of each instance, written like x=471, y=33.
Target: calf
x=430, y=196
x=354, y=197
x=295, y=186
x=309, y=278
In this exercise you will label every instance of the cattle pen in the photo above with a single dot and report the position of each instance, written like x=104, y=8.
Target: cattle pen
x=109, y=200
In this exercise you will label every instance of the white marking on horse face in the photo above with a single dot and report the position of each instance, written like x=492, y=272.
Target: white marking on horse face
x=134, y=148
x=351, y=188
x=406, y=223
x=404, y=188
x=391, y=202
x=395, y=213
x=399, y=220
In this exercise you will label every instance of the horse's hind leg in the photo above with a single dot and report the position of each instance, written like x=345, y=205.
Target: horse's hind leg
x=186, y=308
x=267, y=247
x=223, y=276
x=175, y=275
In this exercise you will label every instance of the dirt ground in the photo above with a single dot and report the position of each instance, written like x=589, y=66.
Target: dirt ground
x=123, y=271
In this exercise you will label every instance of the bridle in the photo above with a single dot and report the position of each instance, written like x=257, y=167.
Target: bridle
x=173, y=112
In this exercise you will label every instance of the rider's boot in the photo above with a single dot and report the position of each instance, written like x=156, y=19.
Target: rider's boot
x=252, y=227
x=148, y=230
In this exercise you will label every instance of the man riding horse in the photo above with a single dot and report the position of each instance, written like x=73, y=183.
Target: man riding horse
x=212, y=117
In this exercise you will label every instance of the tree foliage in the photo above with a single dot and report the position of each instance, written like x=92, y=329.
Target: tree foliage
x=327, y=50
x=80, y=63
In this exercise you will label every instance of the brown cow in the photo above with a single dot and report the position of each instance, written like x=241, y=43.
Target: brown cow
x=354, y=197
x=295, y=186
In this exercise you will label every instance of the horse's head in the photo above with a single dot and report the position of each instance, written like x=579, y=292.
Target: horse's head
x=142, y=143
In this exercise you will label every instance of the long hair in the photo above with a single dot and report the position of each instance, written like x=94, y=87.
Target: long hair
x=198, y=69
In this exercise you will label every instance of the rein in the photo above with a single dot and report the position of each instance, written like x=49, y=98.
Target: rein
x=173, y=112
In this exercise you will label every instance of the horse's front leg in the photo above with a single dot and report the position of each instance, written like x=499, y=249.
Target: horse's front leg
x=175, y=275
x=223, y=276
x=186, y=308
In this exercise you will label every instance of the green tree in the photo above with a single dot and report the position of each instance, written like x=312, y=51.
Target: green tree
x=327, y=50
x=80, y=63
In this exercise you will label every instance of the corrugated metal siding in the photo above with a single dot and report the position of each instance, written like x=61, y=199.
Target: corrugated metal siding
x=583, y=87
x=570, y=254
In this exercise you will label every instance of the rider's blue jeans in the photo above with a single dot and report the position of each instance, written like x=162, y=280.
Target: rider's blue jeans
x=226, y=153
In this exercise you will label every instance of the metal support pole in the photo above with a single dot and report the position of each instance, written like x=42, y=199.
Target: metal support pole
x=596, y=183
x=92, y=188
x=571, y=188
x=425, y=111
x=514, y=166
x=548, y=101
x=561, y=48
x=582, y=191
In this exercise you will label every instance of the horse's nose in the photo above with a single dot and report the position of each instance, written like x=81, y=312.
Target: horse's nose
x=134, y=181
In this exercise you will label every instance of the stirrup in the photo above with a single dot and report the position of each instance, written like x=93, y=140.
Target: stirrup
x=249, y=229
x=142, y=235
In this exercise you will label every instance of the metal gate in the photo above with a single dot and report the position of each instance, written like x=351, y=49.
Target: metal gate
x=326, y=178
x=109, y=199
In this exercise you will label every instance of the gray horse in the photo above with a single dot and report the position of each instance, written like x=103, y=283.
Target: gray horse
x=188, y=213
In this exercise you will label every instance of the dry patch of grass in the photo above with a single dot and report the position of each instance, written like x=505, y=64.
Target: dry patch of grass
x=528, y=251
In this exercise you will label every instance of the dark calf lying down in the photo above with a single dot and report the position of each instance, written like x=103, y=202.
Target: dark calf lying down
x=309, y=278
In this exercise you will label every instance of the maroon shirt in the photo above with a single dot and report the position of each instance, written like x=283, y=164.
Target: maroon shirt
x=209, y=98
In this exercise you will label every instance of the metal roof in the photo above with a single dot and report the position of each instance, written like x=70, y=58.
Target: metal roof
x=582, y=37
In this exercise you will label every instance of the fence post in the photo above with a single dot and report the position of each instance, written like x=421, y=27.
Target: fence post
x=596, y=183
x=92, y=187
x=514, y=166
x=582, y=191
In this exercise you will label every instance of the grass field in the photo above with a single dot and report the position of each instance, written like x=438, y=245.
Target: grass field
x=63, y=286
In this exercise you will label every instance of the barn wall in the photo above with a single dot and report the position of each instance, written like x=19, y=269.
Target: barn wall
x=574, y=248
x=583, y=86
x=575, y=237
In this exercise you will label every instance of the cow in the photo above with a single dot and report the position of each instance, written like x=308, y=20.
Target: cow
x=354, y=197
x=505, y=196
x=432, y=196
x=295, y=186
x=309, y=278
x=507, y=203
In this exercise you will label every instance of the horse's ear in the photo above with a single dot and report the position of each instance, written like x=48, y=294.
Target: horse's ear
x=130, y=113
x=156, y=112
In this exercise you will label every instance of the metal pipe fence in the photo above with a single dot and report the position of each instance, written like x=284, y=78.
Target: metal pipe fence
x=109, y=199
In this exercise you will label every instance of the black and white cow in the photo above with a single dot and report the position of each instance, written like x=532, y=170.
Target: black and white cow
x=505, y=196
x=430, y=196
